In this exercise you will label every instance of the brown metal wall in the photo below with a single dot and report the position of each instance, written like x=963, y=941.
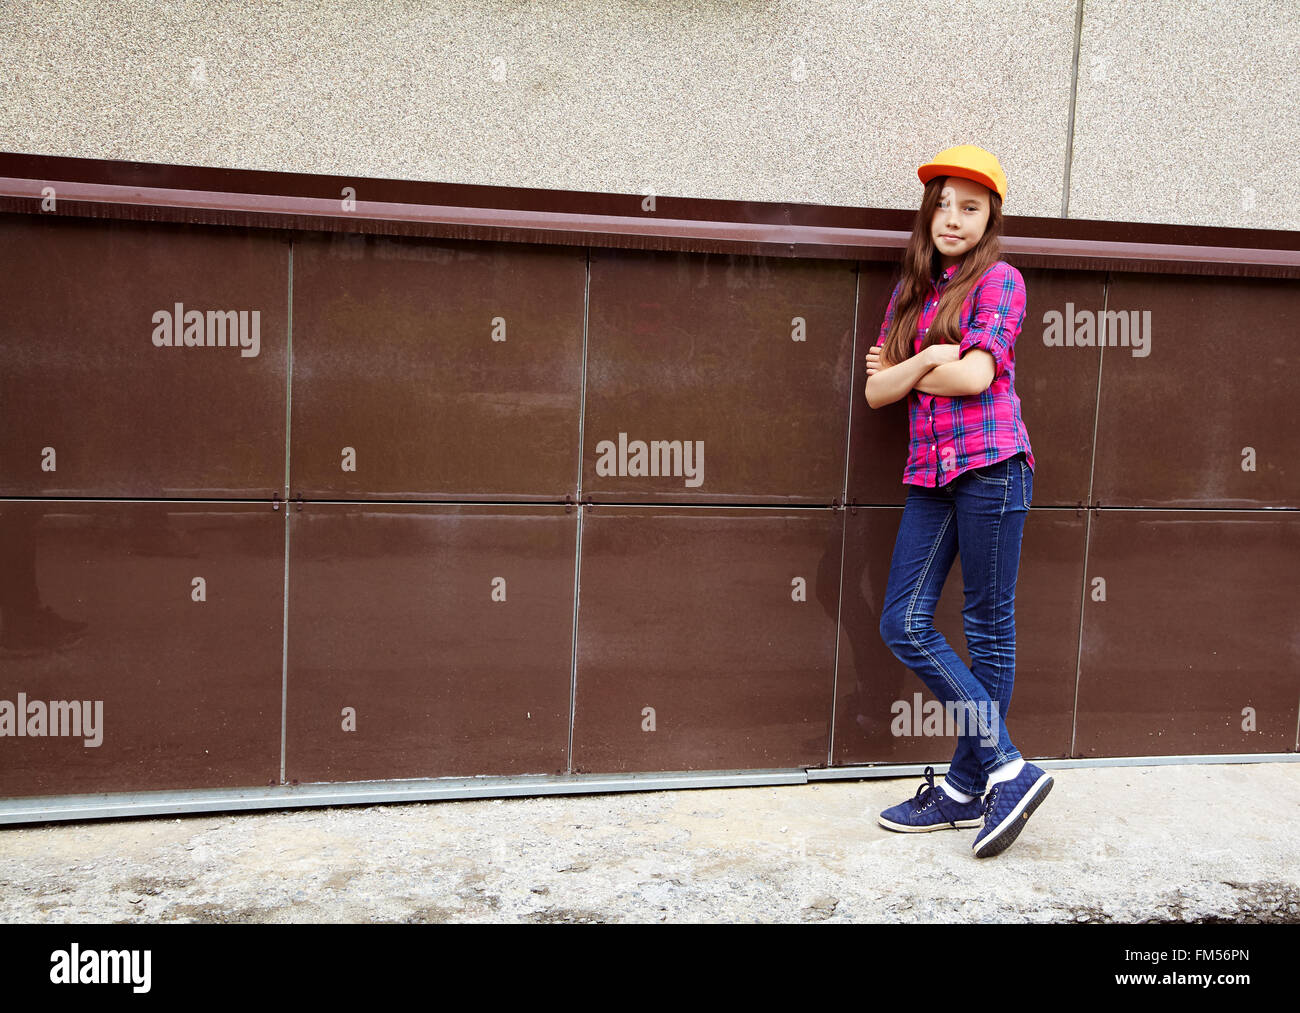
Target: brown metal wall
x=190, y=688
x=426, y=405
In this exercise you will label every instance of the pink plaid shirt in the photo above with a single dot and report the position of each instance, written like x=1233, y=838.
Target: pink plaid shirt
x=950, y=435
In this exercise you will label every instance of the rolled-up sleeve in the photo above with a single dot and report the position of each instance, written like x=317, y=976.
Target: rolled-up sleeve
x=999, y=312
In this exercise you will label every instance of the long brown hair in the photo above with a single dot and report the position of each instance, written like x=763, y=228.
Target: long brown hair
x=921, y=265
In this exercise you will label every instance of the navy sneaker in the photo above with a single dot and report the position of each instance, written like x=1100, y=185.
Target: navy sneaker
x=931, y=809
x=1007, y=806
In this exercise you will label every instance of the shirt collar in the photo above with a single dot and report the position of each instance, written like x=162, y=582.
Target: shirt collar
x=944, y=278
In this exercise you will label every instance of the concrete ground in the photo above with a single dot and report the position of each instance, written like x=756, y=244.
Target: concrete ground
x=1111, y=844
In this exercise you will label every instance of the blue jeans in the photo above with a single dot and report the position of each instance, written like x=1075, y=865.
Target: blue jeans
x=981, y=514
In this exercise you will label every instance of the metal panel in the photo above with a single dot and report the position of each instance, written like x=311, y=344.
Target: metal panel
x=706, y=638
x=447, y=630
x=744, y=361
x=450, y=370
x=1206, y=417
x=879, y=436
x=180, y=681
x=1196, y=645
x=1057, y=388
x=93, y=407
x=391, y=606
x=875, y=705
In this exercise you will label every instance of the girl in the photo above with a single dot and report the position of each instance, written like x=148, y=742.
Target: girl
x=947, y=344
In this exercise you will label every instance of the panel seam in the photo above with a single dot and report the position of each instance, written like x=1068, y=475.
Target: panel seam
x=577, y=560
x=1087, y=526
x=844, y=526
x=288, y=421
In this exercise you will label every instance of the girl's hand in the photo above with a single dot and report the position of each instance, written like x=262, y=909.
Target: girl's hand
x=943, y=353
x=876, y=360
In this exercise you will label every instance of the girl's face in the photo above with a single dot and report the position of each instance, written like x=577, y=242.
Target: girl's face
x=960, y=218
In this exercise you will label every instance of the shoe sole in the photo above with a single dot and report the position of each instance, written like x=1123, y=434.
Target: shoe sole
x=961, y=825
x=1009, y=829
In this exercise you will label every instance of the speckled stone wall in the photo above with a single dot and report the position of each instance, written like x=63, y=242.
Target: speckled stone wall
x=1141, y=110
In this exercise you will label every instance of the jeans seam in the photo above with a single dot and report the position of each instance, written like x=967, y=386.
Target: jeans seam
x=1001, y=757
x=955, y=685
x=997, y=600
x=925, y=570
x=980, y=478
x=1011, y=757
x=961, y=786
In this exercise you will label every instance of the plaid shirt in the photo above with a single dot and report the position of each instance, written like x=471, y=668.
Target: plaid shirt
x=951, y=435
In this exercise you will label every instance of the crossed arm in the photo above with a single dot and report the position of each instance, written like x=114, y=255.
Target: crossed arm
x=938, y=369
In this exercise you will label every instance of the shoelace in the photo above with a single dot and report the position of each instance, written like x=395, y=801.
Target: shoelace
x=989, y=800
x=926, y=793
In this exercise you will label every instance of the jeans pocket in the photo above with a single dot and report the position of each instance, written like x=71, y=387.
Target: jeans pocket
x=1026, y=483
x=992, y=474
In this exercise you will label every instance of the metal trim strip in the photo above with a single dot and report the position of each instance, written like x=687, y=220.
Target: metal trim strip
x=117, y=805
x=157, y=175
x=786, y=237
x=1068, y=763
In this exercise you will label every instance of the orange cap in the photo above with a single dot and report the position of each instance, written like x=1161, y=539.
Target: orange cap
x=968, y=162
